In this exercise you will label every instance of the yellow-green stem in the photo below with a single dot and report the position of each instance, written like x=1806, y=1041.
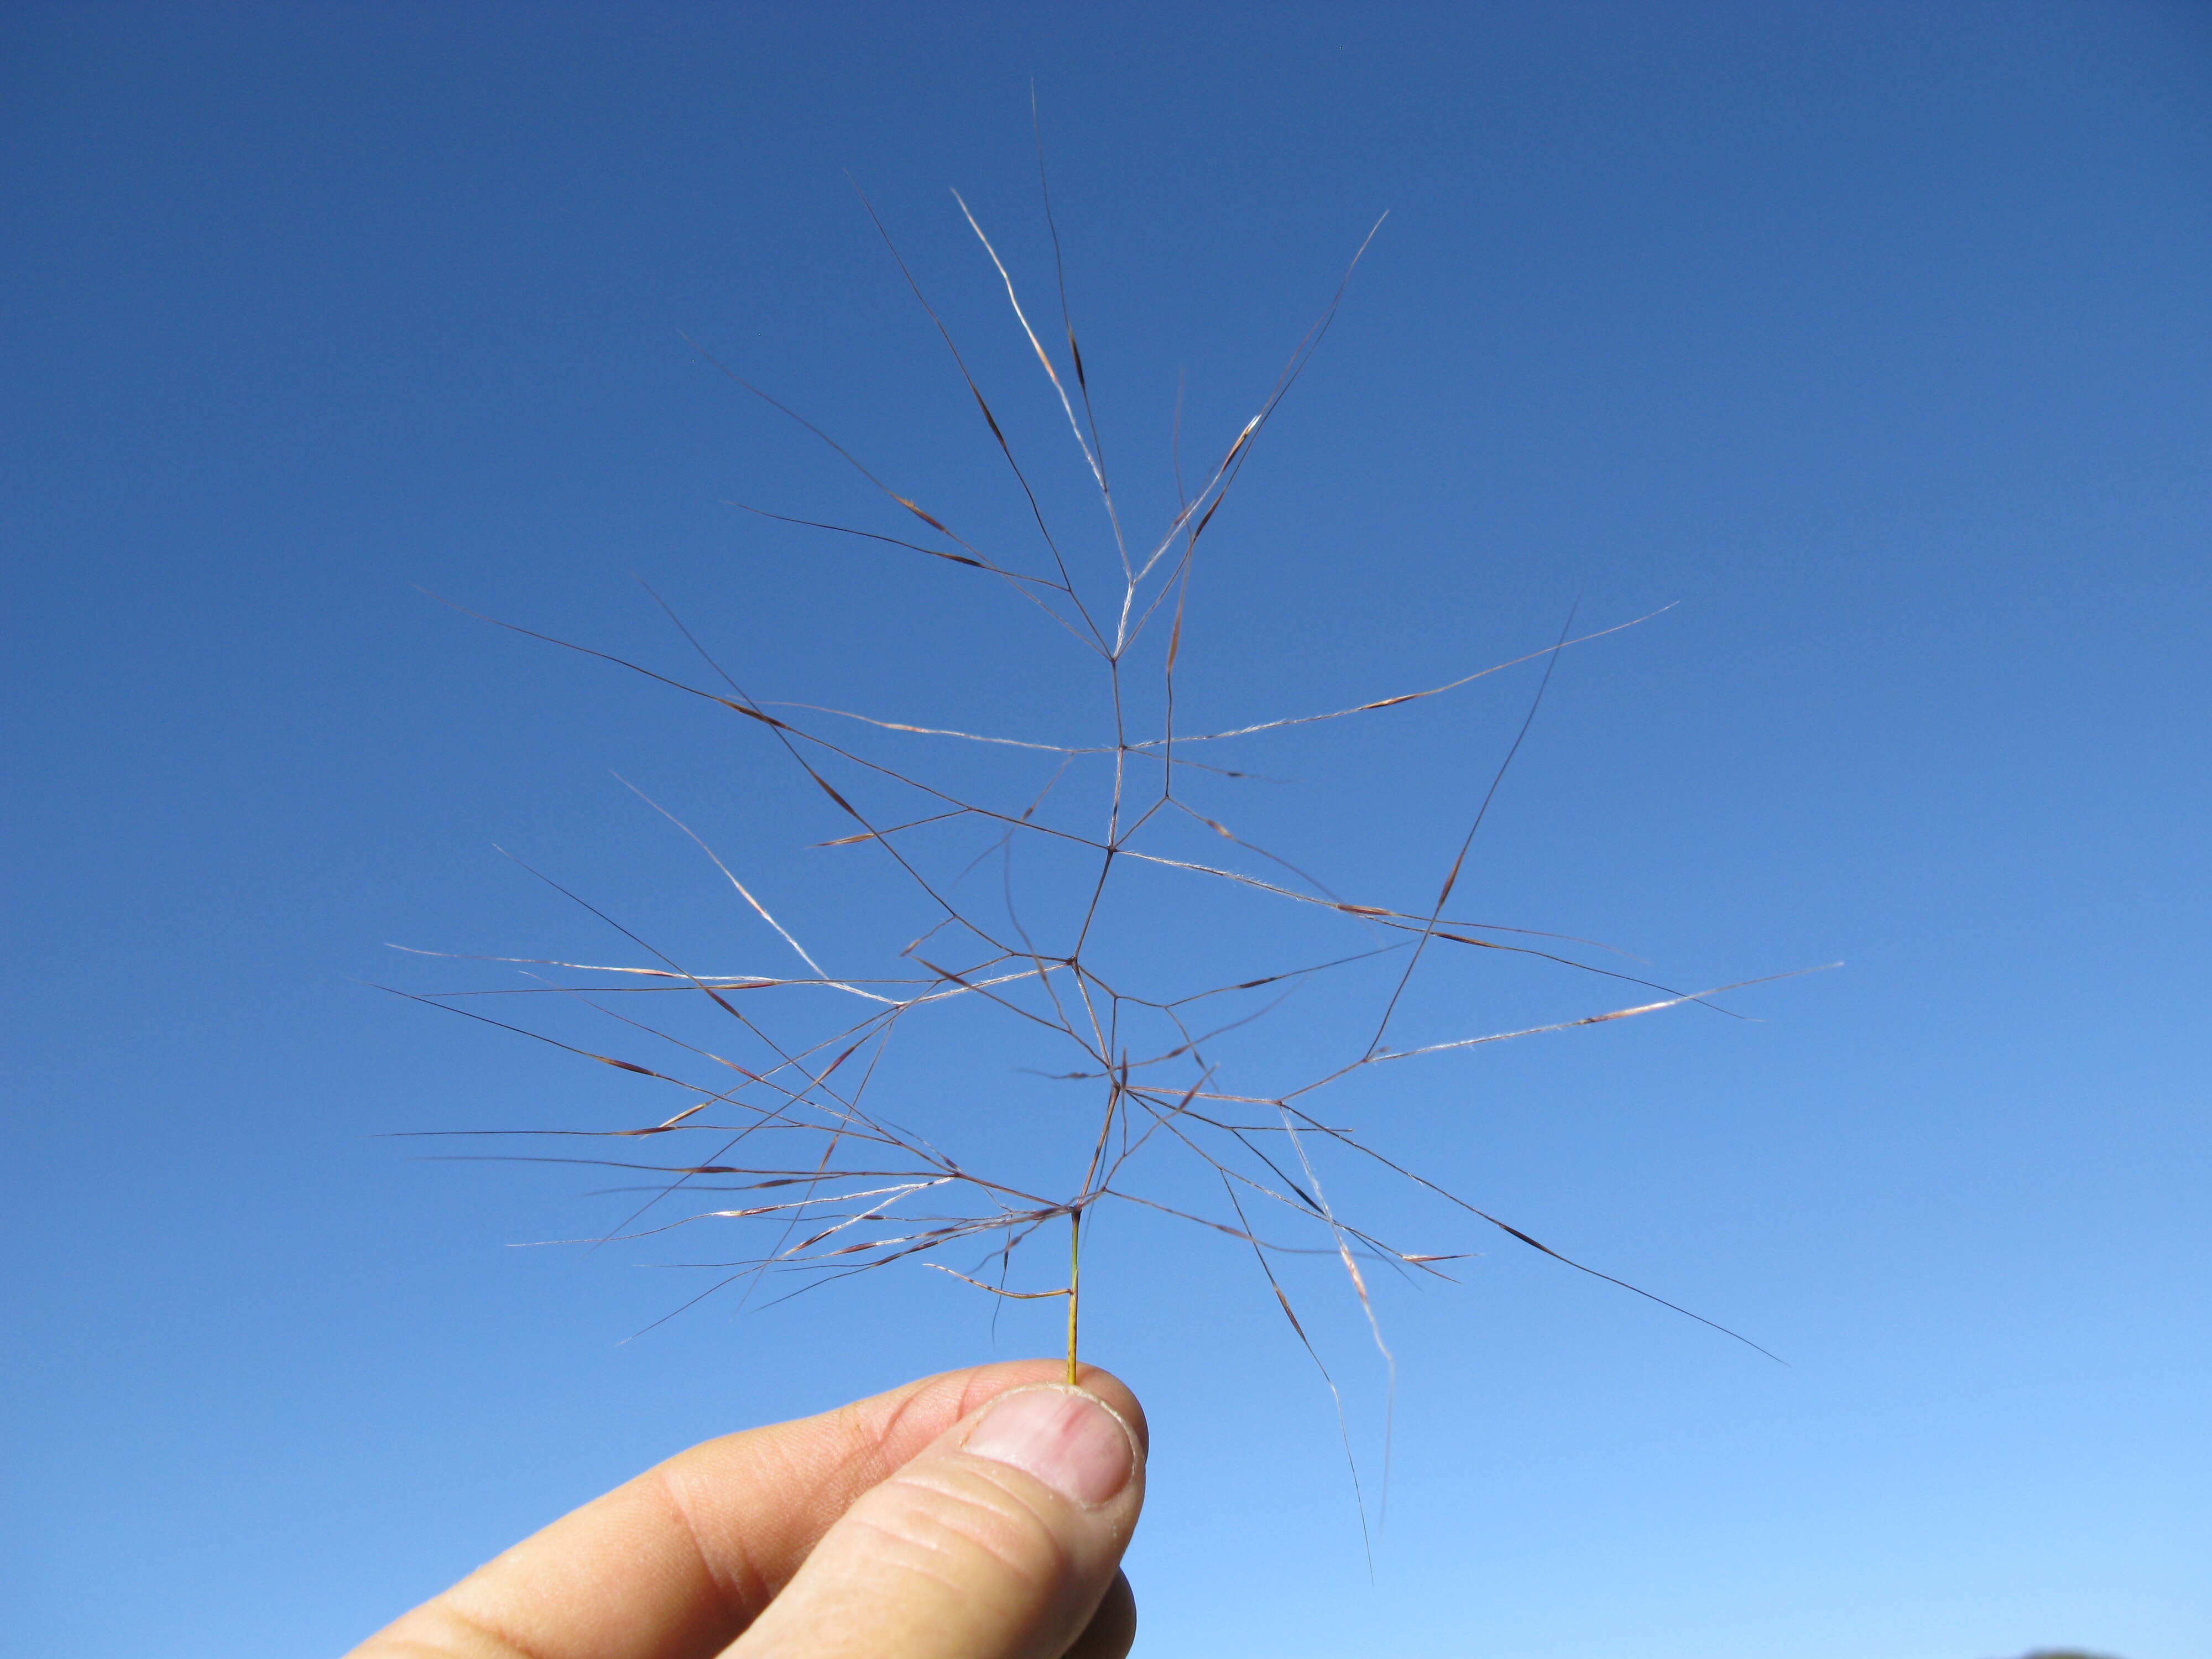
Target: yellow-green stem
x=1074, y=1282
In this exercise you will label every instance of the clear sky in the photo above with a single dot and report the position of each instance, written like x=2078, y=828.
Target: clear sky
x=1872, y=338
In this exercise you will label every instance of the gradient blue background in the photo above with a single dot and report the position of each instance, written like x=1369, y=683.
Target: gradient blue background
x=1875, y=335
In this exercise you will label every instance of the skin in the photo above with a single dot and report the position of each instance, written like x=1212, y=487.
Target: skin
x=977, y=1515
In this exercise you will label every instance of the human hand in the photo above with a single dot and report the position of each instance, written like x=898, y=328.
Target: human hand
x=977, y=1515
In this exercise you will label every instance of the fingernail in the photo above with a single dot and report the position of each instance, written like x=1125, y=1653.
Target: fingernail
x=1067, y=1438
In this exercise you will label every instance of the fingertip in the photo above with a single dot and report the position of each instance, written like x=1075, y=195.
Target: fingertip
x=1121, y=1400
x=978, y=1387
x=1069, y=1438
x=1112, y=1631
x=1000, y=1540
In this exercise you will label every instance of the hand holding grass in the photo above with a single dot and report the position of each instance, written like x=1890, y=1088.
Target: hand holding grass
x=1108, y=1053
x=976, y=1514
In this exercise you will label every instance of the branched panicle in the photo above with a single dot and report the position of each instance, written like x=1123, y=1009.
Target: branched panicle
x=784, y=1125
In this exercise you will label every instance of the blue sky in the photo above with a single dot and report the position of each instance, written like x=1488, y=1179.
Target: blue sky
x=1868, y=337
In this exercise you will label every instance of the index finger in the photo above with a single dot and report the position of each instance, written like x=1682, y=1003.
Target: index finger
x=677, y=1562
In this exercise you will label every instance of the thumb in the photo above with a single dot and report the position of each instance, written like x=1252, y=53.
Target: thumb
x=999, y=1541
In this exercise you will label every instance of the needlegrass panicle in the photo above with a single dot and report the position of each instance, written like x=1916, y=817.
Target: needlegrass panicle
x=1054, y=896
